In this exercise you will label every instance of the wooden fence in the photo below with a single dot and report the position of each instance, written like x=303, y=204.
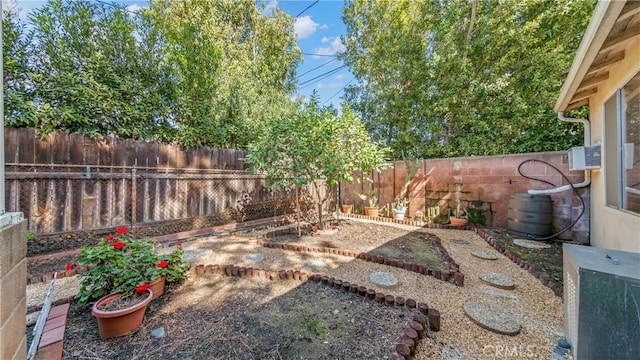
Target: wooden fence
x=69, y=182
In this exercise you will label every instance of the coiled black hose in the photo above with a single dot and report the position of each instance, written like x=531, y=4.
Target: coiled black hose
x=532, y=237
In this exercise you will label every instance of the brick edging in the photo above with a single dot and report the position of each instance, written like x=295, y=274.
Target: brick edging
x=545, y=279
x=423, y=224
x=453, y=275
x=415, y=330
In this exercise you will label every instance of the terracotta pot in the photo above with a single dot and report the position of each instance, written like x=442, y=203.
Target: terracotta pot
x=157, y=287
x=346, y=209
x=371, y=211
x=119, y=322
x=458, y=221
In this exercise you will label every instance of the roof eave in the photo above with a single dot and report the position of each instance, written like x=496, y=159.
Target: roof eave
x=604, y=17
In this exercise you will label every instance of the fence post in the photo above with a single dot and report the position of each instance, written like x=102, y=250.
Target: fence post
x=133, y=195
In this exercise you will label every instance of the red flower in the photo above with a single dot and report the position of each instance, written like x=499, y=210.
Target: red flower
x=110, y=238
x=142, y=288
x=70, y=266
x=163, y=264
x=121, y=230
x=179, y=244
x=118, y=245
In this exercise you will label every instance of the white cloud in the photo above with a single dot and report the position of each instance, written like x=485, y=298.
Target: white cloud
x=304, y=27
x=340, y=76
x=335, y=46
x=135, y=8
x=325, y=40
x=331, y=85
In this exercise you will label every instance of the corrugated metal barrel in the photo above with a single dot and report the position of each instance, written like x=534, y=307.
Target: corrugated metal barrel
x=530, y=215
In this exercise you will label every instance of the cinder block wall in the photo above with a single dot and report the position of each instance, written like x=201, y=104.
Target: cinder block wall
x=484, y=183
x=13, y=284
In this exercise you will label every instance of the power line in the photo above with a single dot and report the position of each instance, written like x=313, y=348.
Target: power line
x=339, y=91
x=315, y=68
x=322, y=76
x=304, y=53
x=307, y=8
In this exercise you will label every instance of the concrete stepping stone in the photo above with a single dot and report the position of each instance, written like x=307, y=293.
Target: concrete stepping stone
x=530, y=244
x=499, y=281
x=490, y=290
x=313, y=265
x=383, y=279
x=492, y=317
x=193, y=254
x=484, y=255
x=460, y=241
x=253, y=257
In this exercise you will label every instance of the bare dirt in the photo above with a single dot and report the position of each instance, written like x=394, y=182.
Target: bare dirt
x=231, y=318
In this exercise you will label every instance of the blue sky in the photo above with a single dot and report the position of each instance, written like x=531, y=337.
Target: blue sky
x=318, y=28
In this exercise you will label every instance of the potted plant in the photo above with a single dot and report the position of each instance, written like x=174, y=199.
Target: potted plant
x=459, y=216
x=399, y=208
x=346, y=208
x=121, y=270
x=372, y=198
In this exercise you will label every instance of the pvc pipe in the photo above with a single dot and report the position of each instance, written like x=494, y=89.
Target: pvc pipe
x=587, y=173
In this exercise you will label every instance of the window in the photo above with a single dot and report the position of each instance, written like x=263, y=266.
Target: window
x=622, y=148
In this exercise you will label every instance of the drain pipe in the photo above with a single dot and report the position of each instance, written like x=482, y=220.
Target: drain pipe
x=587, y=173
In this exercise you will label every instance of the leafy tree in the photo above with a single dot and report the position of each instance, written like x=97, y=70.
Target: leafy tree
x=95, y=72
x=234, y=66
x=457, y=78
x=18, y=104
x=315, y=147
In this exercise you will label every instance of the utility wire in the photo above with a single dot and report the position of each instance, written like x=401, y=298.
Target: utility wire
x=117, y=7
x=307, y=8
x=324, y=75
x=304, y=53
x=315, y=68
x=339, y=91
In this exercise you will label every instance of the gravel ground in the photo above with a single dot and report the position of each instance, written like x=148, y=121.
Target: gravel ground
x=537, y=308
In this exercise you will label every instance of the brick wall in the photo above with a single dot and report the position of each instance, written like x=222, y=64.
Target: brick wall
x=483, y=183
x=13, y=284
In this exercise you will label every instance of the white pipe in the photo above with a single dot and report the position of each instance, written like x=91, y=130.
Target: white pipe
x=587, y=173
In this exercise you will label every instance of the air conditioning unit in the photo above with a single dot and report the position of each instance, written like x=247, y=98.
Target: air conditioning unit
x=601, y=302
x=584, y=157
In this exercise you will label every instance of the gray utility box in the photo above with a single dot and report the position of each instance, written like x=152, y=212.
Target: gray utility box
x=602, y=303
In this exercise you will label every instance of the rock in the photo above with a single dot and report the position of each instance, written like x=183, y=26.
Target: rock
x=492, y=317
x=460, y=241
x=313, y=265
x=253, y=257
x=383, y=279
x=530, y=244
x=157, y=333
x=563, y=343
x=497, y=280
x=484, y=255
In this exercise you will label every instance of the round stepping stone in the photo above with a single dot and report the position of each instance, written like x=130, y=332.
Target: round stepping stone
x=530, y=244
x=194, y=254
x=313, y=265
x=497, y=280
x=492, y=317
x=383, y=279
x=490, y=290
x=484, y=255
x=460, y=241
x=253, y=257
